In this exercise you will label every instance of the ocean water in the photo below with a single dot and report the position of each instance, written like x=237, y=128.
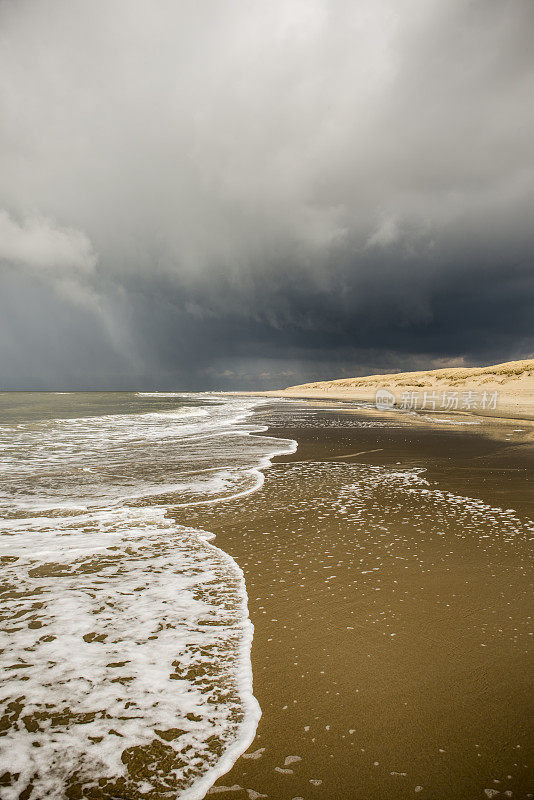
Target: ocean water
x=125, y=638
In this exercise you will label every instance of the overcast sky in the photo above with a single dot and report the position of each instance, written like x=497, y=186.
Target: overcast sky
x=239, y=194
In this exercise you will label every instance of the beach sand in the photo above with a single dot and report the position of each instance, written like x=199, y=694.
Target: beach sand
x=392, y=608
x=503, y=390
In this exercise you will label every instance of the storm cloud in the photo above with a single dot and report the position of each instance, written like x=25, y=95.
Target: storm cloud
x=242, y=194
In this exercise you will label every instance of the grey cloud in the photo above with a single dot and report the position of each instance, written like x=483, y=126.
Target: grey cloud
x=320, y=184
x=38, y=243
x=61, y=257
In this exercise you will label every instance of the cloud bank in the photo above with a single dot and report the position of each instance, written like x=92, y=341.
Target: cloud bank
x=240, y=194
x=39, y=244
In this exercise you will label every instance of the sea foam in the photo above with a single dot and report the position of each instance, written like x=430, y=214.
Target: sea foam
x=126, y=638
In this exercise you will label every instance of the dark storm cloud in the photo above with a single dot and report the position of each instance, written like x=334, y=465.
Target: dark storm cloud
x=237, y=194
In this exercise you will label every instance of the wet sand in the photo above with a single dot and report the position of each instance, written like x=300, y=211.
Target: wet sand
x=392, y=651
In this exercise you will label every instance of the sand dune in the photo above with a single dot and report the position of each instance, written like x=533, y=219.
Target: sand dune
x=504, y=390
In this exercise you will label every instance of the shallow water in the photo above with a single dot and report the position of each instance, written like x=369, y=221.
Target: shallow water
x=125, y=638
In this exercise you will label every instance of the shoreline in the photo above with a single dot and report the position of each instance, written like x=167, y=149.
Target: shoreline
x=503, y=391
x=367, y=548
x=156, y=612
x=366, y=405
x=314, y=611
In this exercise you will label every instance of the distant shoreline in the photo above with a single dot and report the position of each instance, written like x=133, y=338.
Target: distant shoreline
x=503, y=391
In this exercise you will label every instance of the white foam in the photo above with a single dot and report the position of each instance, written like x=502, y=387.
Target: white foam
x=159, y=394
x=450, y=421
x=121, y=623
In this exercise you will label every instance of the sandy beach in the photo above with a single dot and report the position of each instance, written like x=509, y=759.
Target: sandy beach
x=503, y=390
x=388, y=574
x=384, y=559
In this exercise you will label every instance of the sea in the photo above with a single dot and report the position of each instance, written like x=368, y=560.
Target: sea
x=125, y=636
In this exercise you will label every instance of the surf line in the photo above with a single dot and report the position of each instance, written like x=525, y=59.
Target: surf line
x=333, y=458
x=361, y=453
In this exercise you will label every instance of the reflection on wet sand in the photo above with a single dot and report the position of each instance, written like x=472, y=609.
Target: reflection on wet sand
x=391, y=593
